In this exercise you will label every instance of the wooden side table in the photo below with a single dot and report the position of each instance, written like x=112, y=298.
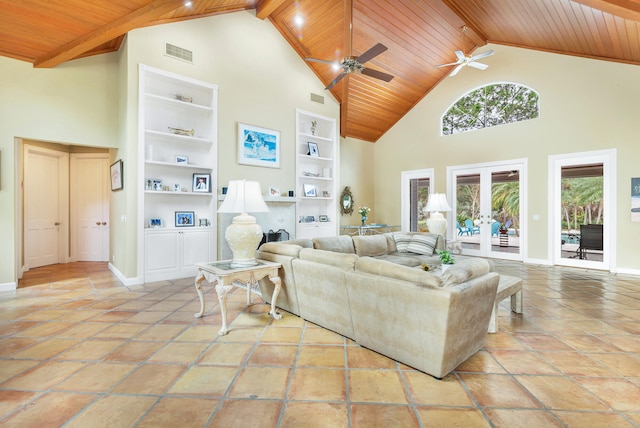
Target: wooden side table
x=226, y=277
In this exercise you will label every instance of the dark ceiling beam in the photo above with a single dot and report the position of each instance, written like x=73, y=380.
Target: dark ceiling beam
x=112, y=30
x=626, y=9
x=266, y=7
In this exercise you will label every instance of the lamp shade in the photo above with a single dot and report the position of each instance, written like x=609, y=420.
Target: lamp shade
x=243, y=197
x=437, y=202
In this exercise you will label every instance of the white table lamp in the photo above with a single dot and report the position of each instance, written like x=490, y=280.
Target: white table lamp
x=243, y=234
x=436, y=222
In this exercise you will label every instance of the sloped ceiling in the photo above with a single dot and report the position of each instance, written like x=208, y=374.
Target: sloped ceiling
x=418, y=34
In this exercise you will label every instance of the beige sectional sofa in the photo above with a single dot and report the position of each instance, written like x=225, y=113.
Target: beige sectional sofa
x=372, y=290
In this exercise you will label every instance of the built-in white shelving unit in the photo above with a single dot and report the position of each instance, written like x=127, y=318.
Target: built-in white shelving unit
x=178, y=144
x=316, y=169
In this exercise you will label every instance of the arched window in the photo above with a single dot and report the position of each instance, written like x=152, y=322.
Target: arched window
x=491, y=105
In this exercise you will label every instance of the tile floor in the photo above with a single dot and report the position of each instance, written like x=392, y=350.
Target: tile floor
x=78, y=349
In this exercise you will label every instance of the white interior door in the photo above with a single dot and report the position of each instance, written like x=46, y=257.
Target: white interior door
x=45, y=207
x=90, y=207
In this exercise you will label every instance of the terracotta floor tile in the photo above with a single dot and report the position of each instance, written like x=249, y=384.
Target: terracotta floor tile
x=498, y=391
x=96, y=377
x=281, y=335
x=45, y=329
x=318, y=384
x=101, y=413
x=134, y=351
x=321, y=356
x=122, y=331
x=46, y=349
x=199, y=333
x=623, y=364
x=11, y=400
x=451, y=417
x=204, y=380
x=425, y=389
x=320, y=336
x=11, y=345
x=226, y=354
x=315, y=415
x=44, y=376
x=179, y=352
x=541, y=342
x=363, y=358
x=83, y=330
x=7, y=328
x=260, y=382
x=374, y=415
x=617, y=393
x=273, y=355
x=575, y=363
x=522, y=418
x=588, y=343
x=49, y=410
x=149, y=379
x=560, y=393
x=90, y=349
x=162, y=332
x=517, y=362
x=593, y=419
x=11, y=368
x=502, y=340
x=376, y=386
x=481, y=362
x=248, y=413
x=179, y=412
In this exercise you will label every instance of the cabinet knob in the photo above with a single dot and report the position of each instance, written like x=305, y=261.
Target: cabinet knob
x=104, y=223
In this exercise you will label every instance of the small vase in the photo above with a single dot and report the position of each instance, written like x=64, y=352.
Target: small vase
x=364, y=219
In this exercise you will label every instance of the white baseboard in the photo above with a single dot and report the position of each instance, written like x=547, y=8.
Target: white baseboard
x=628, y=271
x=8, y=286
x=129, y=282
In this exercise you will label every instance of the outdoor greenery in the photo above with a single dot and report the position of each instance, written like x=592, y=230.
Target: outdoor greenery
x=505, y=203
x=581, y=202
x=491, y=105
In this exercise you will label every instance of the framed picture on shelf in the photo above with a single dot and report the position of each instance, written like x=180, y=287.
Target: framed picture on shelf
x=203, y=222
x=309, y=190
x=325, y=194
x=258, y=146
x=323, y=218
x=185, y=219
x=155, y=222
x=182, y=160
x=310, y=219
x=116, y=175
x=274, y=191
x=313, y=149
x=156, y=184
x=201, y=183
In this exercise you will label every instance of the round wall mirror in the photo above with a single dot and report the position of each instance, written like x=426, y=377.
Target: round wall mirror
x=346, y=199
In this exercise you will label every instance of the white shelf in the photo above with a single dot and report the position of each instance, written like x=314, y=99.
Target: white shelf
x=315, y=137
x=170, y=252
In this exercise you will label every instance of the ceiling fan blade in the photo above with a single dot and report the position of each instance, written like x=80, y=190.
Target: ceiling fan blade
x=335, y=81
x=377, y=74
x=446, y=65
x=478, y=65
x=456, y=70
x=482, y=55
x=323, y=61
x=459, y=55
x=371, y=53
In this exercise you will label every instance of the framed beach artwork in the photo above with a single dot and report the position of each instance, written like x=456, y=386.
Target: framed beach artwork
x=117, y=182
x=258, y=146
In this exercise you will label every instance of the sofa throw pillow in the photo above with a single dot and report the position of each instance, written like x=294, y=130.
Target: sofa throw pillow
x=370, y=245
x=402, y=241
x=422, y=244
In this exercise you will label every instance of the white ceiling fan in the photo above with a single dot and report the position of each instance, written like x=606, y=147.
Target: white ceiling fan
x=470, y=60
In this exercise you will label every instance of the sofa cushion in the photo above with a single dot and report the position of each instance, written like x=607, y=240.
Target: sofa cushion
x=393, y=270
x=464, y=271
x=291, y=250
x=341, y=260
x=371, y=245
x=422, y=244
x=337, y=244
x=402, y=241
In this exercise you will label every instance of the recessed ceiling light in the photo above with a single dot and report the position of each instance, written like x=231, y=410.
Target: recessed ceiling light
x=298, y=20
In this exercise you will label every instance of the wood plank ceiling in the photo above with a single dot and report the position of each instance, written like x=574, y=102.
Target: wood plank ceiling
x=418, y=34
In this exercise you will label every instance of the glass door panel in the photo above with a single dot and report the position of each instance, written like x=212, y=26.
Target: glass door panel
x=418, y=194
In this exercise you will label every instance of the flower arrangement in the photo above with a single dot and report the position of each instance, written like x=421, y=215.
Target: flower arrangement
x=363, y=211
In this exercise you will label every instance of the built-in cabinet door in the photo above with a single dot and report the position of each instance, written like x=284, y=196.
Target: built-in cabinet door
x=90, y=207
x=161, y=256
x=173, y=253
x=196, y=248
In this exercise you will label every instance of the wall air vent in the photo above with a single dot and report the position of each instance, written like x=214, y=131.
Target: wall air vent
x=317, y=98
x=178, y=52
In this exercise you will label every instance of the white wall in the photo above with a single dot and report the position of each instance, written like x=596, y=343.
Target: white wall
x=585, y=105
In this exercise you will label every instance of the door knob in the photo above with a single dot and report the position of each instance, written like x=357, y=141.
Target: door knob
x=57, y=223
x=104, y=223
x=97, y=223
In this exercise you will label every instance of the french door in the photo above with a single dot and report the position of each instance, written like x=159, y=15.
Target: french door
x=416, y=186
x=487, y=215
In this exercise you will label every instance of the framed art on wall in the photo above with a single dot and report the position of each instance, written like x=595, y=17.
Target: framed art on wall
x=258, y=146
x=116, y=175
